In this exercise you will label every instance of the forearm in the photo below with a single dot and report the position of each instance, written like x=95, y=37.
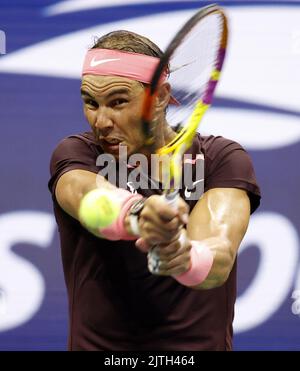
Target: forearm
x=74, y=185
x=224, y=216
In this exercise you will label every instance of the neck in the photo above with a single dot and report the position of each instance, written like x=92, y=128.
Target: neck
x=164, y=135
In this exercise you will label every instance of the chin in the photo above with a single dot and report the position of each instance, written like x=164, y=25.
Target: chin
x=123, y=152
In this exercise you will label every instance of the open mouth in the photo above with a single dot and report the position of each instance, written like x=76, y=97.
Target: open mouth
x=111, y=145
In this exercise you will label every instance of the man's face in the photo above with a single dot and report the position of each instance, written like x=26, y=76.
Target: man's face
x=112, y=106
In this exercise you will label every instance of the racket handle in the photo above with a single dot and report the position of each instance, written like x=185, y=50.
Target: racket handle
x=153, y=258
x=172, y=199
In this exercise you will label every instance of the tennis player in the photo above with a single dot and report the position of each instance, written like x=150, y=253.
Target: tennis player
x=115, y=302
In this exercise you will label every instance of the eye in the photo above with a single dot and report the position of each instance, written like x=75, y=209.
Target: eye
x=118, y=102
x=91, y=103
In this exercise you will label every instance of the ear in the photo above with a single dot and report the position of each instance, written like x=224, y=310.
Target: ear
x=163, y=96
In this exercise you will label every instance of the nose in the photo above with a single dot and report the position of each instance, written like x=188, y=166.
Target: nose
x=104, y=123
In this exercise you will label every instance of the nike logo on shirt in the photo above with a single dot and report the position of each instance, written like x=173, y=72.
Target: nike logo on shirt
x=187, y=193
x=130, y=185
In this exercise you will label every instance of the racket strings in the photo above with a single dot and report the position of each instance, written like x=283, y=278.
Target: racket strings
x=192, y=66
x=194, y=61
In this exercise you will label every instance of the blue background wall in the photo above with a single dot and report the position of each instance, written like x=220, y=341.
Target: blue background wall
x=257, y=104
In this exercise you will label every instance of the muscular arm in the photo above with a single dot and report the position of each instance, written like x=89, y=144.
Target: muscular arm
x=220, y=220
x=73, y=185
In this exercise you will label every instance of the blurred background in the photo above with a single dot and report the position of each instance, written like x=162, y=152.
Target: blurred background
x=42, y=46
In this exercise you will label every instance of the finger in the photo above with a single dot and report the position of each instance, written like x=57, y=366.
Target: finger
x=168, y=229
x=171, y=263
x=183, y=211
x=142, y=245
x=159, y=206
x=175, y=247
x=167, y=250
x=173, y=250
x=159, y=236
x=170, y=226
x=176, y=266
x=182, y=252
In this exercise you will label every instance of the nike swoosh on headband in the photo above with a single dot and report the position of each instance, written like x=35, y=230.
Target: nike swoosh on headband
x=95, y=63
x=134, y=66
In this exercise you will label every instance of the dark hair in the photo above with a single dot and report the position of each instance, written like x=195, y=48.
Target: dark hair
x=128, y=41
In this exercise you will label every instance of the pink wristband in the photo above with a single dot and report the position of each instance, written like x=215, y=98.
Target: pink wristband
x=116, y=231
x=201, y=262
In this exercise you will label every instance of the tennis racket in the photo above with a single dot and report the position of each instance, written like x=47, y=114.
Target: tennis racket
x=194, y=61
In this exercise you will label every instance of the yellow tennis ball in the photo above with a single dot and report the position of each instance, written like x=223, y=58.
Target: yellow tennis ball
x=98, y=209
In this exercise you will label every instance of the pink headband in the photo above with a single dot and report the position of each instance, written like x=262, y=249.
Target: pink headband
x=134, y=66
